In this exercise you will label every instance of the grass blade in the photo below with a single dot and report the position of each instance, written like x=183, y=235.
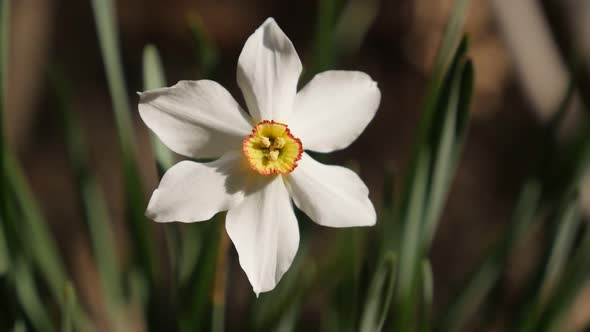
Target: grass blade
x=91, y=198
x=19, y=326
x=569, y=220
x=410, y=246
x=4, y=254
x=575, y=275
x=353, y=25
x=427, y=295
x=196, y=294
x=44, y=253
x=447, y=51
x=274, y=309
x=4, y=42
x=29, y=298
x=379, y=295
x=324, y=48
x=448, y=141
x=32, y=228
x=104, y=15
x=220, y=283
x=206, y=53
x=389, y=229
x=71, y=308
x=346, y=295
x=416, y=187
x=153, y=78
x=480, y=282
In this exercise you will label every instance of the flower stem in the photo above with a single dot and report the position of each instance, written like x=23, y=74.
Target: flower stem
x=219, y=286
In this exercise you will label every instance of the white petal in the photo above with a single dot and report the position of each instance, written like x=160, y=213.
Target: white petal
x=333, y=109
x=264, y=230
x=268, y=71
x=331, y=196
x=191, y=191
x=198, y=119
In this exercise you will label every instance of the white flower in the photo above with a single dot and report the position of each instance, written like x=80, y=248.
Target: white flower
x=261, y=164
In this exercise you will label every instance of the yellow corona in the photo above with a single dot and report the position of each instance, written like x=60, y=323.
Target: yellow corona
x=272, y=149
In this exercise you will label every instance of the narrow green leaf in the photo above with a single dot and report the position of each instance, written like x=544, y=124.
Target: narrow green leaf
x=29, y=298
x=389, y=226
x=4, y=254
x=575, y=276
x=206, y=52
x=569, y=219
x=104, y=16
x=413, y=204
x=196, y=294
x=35, y=230
x=479, y=283
x=275, y=309
x=71, y=308
x=218, y=318
x=470, y=296
x=448, y=141
x=467, y=86
x=288, y=321
x=90, y=196
x=346, y=295
x=189, y=252
x=410, y=246
x=324, y=48
x=220, y=283
x=449, y=49
x=138, y=287
x=140, y=230
x=4, y=43
x=19, y=326
x=31, y=228
x=427, y=295
x=153, y=78
x=353, y=25
x=379, y=295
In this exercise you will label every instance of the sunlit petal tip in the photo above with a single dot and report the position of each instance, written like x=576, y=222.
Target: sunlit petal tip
x=331, y=196
x=191, y=191
x=268, y=71
x=151, y=212
x=341, y=103
x=265, y=233
x=198, y=119
x=270, y=20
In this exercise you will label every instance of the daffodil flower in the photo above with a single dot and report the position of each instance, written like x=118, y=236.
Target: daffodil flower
x=260, y=164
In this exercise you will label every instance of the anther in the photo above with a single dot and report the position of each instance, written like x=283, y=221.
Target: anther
x=273, y=155
x=265, y=142
x=279, y=143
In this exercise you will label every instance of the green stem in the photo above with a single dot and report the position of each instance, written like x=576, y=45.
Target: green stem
x=219, y=286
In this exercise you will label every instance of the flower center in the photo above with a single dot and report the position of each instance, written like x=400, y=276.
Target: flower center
x=272, y=149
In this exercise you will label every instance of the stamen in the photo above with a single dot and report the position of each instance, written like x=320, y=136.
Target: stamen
x=265, y=142
x=279, y=143
x=273, y=155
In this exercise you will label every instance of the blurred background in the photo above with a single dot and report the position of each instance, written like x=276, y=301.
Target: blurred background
x=523, y=51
